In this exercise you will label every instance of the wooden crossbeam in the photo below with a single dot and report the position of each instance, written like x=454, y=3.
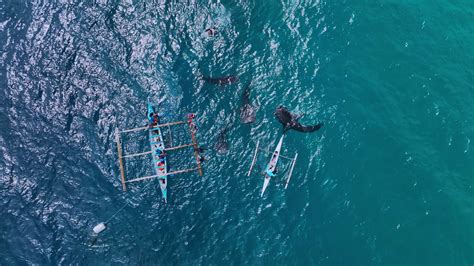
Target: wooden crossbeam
x=136, y=154
x=167, y=174
x=284, y=157
x=143, y=178
x=151, y=128
x=179, y=147
x=134, y=129
x=149, y=152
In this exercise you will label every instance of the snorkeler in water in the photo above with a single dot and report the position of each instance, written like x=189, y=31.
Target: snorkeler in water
x=212, y=31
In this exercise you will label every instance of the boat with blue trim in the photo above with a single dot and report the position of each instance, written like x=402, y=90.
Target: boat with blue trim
x=157, y=147
x=270, y=170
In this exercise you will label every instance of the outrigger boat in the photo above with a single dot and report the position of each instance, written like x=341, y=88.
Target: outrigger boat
x=158, y=149
x=270, y=170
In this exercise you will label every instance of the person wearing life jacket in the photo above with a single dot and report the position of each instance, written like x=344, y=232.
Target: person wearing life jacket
x=162, y=156
x=158, y=151
x=150, y=118
x=270, y=172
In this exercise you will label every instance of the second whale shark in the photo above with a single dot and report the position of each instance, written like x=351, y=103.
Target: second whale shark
x=290, y=121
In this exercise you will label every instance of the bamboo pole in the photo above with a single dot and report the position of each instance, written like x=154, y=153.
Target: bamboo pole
x=179, y=147
x=151, y=128
x=291, y=170
x=119, y=150
x=195, y=144
x=143, y=178
x=171, y=137
x=148, y=152
x=136, y=154
x=167, y=174
x=182, y=171
x=254, y=158
x=284, y=157
x=134, y=129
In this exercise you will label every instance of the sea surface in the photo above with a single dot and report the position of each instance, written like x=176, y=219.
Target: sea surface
x=388, y=180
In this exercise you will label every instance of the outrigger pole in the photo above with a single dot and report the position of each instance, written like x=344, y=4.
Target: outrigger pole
x=291, y=170
x=254, y=158
x=149, y=152
x=157, y=126
x=119, y=150
x=195, y=144
x=154, y=176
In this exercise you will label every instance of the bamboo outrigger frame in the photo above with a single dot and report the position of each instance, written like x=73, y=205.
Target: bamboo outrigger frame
x=122, y=156
x=266, y=151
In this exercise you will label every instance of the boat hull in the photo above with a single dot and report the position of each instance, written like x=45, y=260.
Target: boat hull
x=157, y=147
x=271, y=167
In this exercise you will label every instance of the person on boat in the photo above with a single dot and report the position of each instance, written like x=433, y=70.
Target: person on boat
x=270, y=172
x=158, y=151
x=150, y=118
x=202, y=158
x=200, y=149
x=193, y=126
x=162, y=155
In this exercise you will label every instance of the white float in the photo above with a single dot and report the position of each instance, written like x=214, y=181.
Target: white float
x=99, y=228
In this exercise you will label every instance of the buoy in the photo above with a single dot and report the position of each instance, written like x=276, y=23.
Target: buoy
x=99, y=228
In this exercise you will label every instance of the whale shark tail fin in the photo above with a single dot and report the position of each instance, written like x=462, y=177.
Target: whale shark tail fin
x=306, y=129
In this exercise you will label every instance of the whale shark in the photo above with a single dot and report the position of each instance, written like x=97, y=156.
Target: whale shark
x=290, y=121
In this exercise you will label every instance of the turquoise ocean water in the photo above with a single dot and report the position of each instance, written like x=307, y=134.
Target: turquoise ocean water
x=387, y=180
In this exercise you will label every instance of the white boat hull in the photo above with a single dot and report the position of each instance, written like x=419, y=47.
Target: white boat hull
x=271, y=167
x=157, y=147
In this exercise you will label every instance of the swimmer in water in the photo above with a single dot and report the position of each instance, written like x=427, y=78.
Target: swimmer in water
x=212, y=31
